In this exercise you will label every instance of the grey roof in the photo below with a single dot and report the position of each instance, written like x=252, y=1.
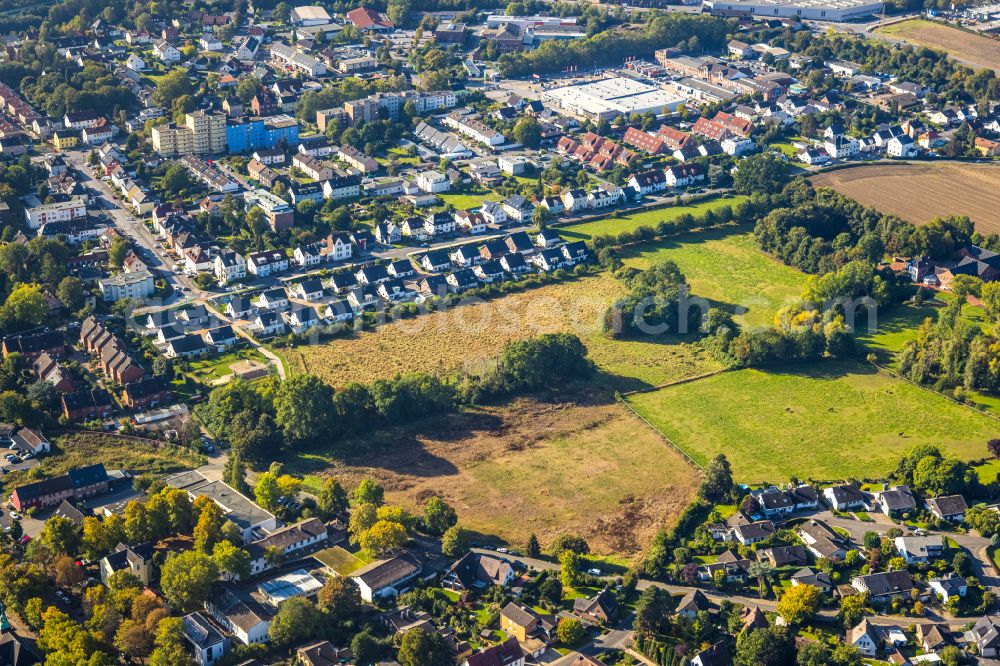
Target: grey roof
x=948, y=505
x=887, y=582
x=385, y=573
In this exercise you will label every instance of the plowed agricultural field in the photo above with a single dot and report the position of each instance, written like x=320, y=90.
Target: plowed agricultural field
x=969, y=48
x=921, y=192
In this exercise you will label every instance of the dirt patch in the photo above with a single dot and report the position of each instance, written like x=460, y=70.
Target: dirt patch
x=578, y=463
x=920, y=192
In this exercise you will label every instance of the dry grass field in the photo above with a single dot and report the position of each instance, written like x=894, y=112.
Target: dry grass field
x=971, y=49
x=577, y=463
x=921, y=192
x=470, y=337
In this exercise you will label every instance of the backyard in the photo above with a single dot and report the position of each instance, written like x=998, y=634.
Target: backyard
x=827, y=421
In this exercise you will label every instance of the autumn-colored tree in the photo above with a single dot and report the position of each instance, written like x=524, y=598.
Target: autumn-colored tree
x=799, y=603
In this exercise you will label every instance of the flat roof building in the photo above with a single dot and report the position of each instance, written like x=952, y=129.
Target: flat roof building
x=816, y=10
x=609, y=98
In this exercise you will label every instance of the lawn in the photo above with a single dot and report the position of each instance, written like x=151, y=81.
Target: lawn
x=824, y=421
x=573, y=461
x=339, y=560
x=215, y=368
x=466, y=201
x=726, y=267
x=649, y=218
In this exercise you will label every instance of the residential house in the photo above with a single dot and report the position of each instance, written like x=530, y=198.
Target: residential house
x=753, y=532
x=693, y=603
x=985, y=635
x=508, y=653
x=79, y=483
x=865, y=637
x=470, y=222
x=494, y=213
x=847, y=497
x=601, y=608
x=268, y=324
x=435, y=261
x=286, y=541
x=394, y=291
x=884, y=586
x=229, y=266
x=822, y=541
x=382, y=579
x=915, y=549
x=809, y=576
x=948, y=586
x=948, y=507
x=476, y=570
x=137, y=560
x=522, y=622
x=240, y=615
x=206, y=642
x=189, y=346
x=518, y=208
x=268, y=262
x=896, y=501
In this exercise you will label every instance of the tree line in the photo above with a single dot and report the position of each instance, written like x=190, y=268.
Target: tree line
x=264, y=417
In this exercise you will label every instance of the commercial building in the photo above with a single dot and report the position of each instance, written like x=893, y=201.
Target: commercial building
x=817, y=10
x=608, y=98
x=278, y=212
x=252, y=521
x=201, y=133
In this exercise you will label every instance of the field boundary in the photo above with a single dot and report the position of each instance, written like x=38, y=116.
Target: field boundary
x=676, y=382
x=687, y=456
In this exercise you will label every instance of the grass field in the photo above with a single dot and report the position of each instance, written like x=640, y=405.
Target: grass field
x=921, y=192
x=727, y=268
x=972, y=49
x=470, y=337
x=826, y=421
x=649, y=218
x=574, y=462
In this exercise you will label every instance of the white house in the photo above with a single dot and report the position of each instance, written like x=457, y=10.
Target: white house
x=229, y=266
x=267, y=263
x=845, y=497
x=948, y=586
x=210, y=42
x=901, y=146
x=308, y=255
x=166, y=51
x=385, y=578
x=683, y=175
x=493, y=213
x=737, y=146
x=243, y=617
x=433, y=182
x=915, y=549
x=841, y=147
x=864, y=637
x=574, y=201
x=206, y=642
x=135, y=63
x=648, y=182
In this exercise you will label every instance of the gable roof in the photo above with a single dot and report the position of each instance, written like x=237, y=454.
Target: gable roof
x=503, y=654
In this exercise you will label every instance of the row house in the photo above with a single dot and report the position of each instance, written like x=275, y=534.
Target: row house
x=111, y=352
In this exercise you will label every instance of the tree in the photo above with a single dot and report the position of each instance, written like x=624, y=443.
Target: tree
x=718, y=482
x=799, y=603
x=760, y=174
x=383, y=537
x=66, y=641
x=231, y=560
x=852, y=608
x=993, y=446
x=60, y=536
x=569, y=568
x=369, y=491
x=571, y=542
x=340, y=598
x=304, y=408
x=528, y=132
x=297, y=619
x=438, y=516
x=173, y=85
x=773, y=646
x=134, y=640
x=532, y=548
x=961, y=564
x=70, y=293
x=362, y=518
x=454, y=542
x=551, y=591
x=420, y=647
x=570, y=631
x=187, y=578
x=67, y=573
x=25, y=307
x=652, y=612
x=332, y=498
x=208, y=530
x=984, y=521
x=366, y=649
x=761, y=570
x=872, y=540
x=247, y=88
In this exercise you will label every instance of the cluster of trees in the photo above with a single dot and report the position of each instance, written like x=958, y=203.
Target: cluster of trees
x=819, y=231
x=334, y=95
x=798, y=334
x=657, y=303
x=58, y=89
x=928, y=471
x=692, y=32
x=953, y=352
x=264, y=417
x=380, y=529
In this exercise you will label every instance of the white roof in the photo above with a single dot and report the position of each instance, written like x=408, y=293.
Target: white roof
x=311, y=13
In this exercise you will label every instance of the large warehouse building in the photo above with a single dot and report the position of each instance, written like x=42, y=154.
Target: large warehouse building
x=813, y=10
x=610, y=98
